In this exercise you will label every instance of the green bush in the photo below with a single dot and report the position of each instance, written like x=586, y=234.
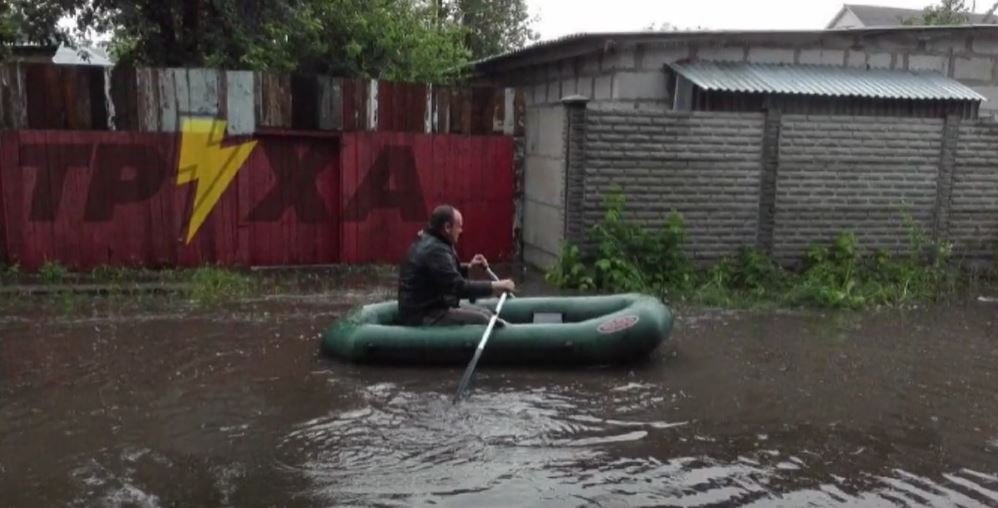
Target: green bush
x=626, y=257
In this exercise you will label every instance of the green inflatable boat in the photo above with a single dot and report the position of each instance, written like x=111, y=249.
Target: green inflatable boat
x=586, y=330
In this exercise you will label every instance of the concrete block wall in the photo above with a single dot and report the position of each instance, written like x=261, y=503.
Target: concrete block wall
x=839, y=173
x=823, y=175
x=973, y=215
x=705, y=166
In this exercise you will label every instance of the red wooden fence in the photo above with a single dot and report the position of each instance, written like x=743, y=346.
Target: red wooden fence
x=87, y=199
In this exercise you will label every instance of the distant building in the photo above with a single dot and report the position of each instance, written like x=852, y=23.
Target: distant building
x=867, y=16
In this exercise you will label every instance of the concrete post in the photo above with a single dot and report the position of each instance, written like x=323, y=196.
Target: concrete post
x=944, y=184
x=767, y=180
x=575, y=169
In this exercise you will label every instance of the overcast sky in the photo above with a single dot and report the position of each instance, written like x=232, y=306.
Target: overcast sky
x=562, y=17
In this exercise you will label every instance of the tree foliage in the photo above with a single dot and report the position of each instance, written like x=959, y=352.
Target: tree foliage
x=949, y=12
x=492, y=27
x=414, y=40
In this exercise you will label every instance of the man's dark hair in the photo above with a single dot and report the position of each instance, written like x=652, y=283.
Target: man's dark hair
x=441, y=216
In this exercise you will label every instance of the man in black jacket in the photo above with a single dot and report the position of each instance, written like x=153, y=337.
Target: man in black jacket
x=432, y=281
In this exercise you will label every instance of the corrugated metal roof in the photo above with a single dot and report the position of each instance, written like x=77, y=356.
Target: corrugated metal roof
x=824, y=80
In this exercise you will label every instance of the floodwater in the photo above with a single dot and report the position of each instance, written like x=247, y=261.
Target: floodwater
x=238, y=408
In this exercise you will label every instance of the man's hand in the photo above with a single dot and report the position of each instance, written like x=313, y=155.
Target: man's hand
x=503, y=286
x=479, y=261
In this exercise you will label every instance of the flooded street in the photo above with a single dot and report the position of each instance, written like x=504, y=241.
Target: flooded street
x=238, y=408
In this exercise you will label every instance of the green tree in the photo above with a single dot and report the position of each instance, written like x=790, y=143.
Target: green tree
x=31, y=22
x=948, y=12
x=390, y=39
x=493, y=26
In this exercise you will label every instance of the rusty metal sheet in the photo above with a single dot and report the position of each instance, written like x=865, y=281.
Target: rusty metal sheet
x=167, y=96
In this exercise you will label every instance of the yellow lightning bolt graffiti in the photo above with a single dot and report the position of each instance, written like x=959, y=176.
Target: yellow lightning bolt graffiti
x=202, y=159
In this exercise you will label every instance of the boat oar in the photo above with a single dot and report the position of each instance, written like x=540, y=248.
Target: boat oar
x=495, y=277
x=466, y=378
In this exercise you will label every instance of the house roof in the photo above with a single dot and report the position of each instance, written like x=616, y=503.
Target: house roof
x=583, y=43
x=83, y=55
x=880, y=16
x=830, y=81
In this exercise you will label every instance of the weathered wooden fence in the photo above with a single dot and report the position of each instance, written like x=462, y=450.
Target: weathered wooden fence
x=68, y=97
x=179, y=167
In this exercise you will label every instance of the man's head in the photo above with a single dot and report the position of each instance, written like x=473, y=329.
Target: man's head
x=447, y=222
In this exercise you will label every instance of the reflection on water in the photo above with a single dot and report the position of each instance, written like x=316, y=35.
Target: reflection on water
x=239, y=409
x=540, y=447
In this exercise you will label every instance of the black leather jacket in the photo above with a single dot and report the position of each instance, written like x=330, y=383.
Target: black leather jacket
x=432, y=280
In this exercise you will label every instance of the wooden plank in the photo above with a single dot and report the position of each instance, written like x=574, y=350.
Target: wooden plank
x=274, y=100
x=240, y=111
x=136, y=96
x=46, y=109
x=76, y=96
x=371, y=101
x=97, y=83
x=182, y=91
x=304, y=102
x=5, y=95
x=204, y=88
x=441, y=116
x=330, y=103
x=456, y=110
x=349, y=110
x=385, y=106
x=418, y=108
x=14, y=98
x=467, y=109
x=479, y=116
x=169, y=107
x=429, y=118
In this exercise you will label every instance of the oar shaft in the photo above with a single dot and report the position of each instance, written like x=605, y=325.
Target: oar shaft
x=466, y=378
x=494, y=277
